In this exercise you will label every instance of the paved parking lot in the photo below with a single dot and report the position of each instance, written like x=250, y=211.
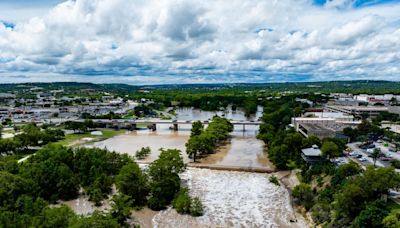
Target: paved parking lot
x=369, y=160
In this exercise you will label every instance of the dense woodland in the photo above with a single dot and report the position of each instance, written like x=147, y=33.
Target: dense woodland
x=335, y=196
x=57, y=173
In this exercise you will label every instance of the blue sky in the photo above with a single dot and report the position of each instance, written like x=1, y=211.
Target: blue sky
x=199, y=41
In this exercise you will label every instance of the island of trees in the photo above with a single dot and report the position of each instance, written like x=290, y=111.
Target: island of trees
x=205, y=141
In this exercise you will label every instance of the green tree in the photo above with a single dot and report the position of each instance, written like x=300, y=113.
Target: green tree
x=182, y=202
x=392, y=220
x=56, y=217
x=121, y=207
x=164, y=178
x=351, y=133
x=11, y=186
x=97, y=219
x=344, y=171
x=197, y=128
x=51, y=174
x=133, y=182
x=350, y=200
x=311, y=140
x=330, y=149
x=304, y=194
x=378, y=181
x=372, y=215
x=375, y=155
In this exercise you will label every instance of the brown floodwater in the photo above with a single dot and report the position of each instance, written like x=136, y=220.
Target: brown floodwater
x=197, y=114
x=162, y=138
x=82, y=205
x=242, y=149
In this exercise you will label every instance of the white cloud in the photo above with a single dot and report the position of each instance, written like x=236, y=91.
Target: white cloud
x=203, y=40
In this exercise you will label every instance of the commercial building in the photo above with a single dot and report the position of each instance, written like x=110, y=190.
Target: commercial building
x=358, y=110
x=323, y=124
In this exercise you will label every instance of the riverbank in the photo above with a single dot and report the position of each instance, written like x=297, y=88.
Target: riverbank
x=289, y=179
x=81, y=139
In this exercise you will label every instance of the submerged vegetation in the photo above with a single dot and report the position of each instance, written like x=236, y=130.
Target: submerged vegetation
x=142, y=153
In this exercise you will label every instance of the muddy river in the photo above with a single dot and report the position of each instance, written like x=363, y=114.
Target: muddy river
x=242, y=150
x=231, y=199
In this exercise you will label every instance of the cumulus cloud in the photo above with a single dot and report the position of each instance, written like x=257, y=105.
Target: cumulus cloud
x=177, y=41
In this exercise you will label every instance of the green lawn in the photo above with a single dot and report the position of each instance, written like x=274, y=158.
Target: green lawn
x=72, y=138
x=9, y=131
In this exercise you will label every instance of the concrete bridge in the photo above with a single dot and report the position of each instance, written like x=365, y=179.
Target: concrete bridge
x=132, y=124
x=152, y=123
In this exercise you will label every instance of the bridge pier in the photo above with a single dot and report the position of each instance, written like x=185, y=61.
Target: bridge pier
x=152, y=127
x=244, y=127
x=175, y=127
x=131, y=127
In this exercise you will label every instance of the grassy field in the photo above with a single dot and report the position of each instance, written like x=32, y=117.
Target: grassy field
x=75, y=139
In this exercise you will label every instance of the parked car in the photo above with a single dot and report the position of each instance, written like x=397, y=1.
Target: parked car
x=386, y=158
x=362, y=159
x=371, y=146
x=370, y=151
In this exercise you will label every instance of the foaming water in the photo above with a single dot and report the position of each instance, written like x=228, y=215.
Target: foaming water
x=233, y=199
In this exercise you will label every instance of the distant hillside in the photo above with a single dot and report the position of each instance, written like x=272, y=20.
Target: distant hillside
x=378, y=87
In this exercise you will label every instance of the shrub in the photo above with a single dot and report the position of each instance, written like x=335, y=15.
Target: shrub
x=142, y=153
x=273, y=179
x=395, y=163
x=182, y=202
x=196, y=207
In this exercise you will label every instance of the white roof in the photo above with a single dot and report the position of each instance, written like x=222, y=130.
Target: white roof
x=312, y=152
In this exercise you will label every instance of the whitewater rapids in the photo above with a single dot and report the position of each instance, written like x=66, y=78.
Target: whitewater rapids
x=233, y=199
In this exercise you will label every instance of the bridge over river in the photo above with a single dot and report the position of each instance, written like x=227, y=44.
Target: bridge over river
x=152, y=123
x=132, y=124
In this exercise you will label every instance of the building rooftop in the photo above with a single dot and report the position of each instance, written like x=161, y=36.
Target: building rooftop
x=314, y=151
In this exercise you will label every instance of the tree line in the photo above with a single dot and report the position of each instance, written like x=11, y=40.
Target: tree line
x=31, y=136
x=205, y=141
